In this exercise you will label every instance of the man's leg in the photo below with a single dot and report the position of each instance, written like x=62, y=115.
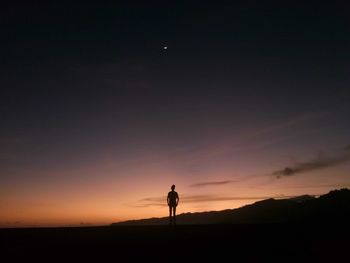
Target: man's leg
x=170, y=215
x=174, y=215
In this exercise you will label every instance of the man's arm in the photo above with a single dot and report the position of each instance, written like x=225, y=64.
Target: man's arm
x=177, y=199
x=167, y=200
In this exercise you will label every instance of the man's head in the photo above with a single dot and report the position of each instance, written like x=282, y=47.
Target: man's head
x=173, y=187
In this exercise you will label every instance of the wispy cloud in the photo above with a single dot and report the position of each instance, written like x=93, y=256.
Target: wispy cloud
x=161, y=201
x=192, y=158
x=227, y=146
x=317, y=164
x=340, y=185
x=287, y=123
x=213, y=183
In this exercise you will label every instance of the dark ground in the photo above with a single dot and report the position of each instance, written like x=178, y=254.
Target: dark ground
x=245, y=243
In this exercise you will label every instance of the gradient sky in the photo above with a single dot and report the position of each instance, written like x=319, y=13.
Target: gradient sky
x=249, y=101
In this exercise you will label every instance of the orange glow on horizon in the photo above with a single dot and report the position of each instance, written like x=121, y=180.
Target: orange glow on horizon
x=111, y=200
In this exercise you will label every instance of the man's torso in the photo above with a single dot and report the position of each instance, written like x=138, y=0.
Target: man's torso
x=172, y=198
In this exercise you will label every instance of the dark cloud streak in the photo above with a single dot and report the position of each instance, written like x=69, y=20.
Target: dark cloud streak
x=317, y=164
x=213, y=183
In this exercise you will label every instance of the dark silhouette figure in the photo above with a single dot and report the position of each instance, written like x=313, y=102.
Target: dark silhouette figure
x=173, y=200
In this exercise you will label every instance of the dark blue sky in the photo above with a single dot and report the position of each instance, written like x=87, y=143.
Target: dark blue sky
x=82, y=84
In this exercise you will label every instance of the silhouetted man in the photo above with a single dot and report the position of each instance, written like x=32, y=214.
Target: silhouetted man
x=173, y=200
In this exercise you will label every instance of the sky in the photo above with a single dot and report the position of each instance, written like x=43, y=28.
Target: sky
x=104, y=106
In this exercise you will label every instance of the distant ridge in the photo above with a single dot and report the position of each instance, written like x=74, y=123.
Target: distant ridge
x=333, y=206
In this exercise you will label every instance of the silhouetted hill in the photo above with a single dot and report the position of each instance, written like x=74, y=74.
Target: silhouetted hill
x=334, y=206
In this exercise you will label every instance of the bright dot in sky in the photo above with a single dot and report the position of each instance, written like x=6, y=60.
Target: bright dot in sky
x=165, y=48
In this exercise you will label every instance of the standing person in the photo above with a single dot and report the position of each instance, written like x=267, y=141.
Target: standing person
x=173, y=200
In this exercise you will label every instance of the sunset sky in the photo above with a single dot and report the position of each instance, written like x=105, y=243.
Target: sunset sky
x=248, y=101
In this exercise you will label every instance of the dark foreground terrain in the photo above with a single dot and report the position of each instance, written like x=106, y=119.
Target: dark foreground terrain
x=183, y=243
